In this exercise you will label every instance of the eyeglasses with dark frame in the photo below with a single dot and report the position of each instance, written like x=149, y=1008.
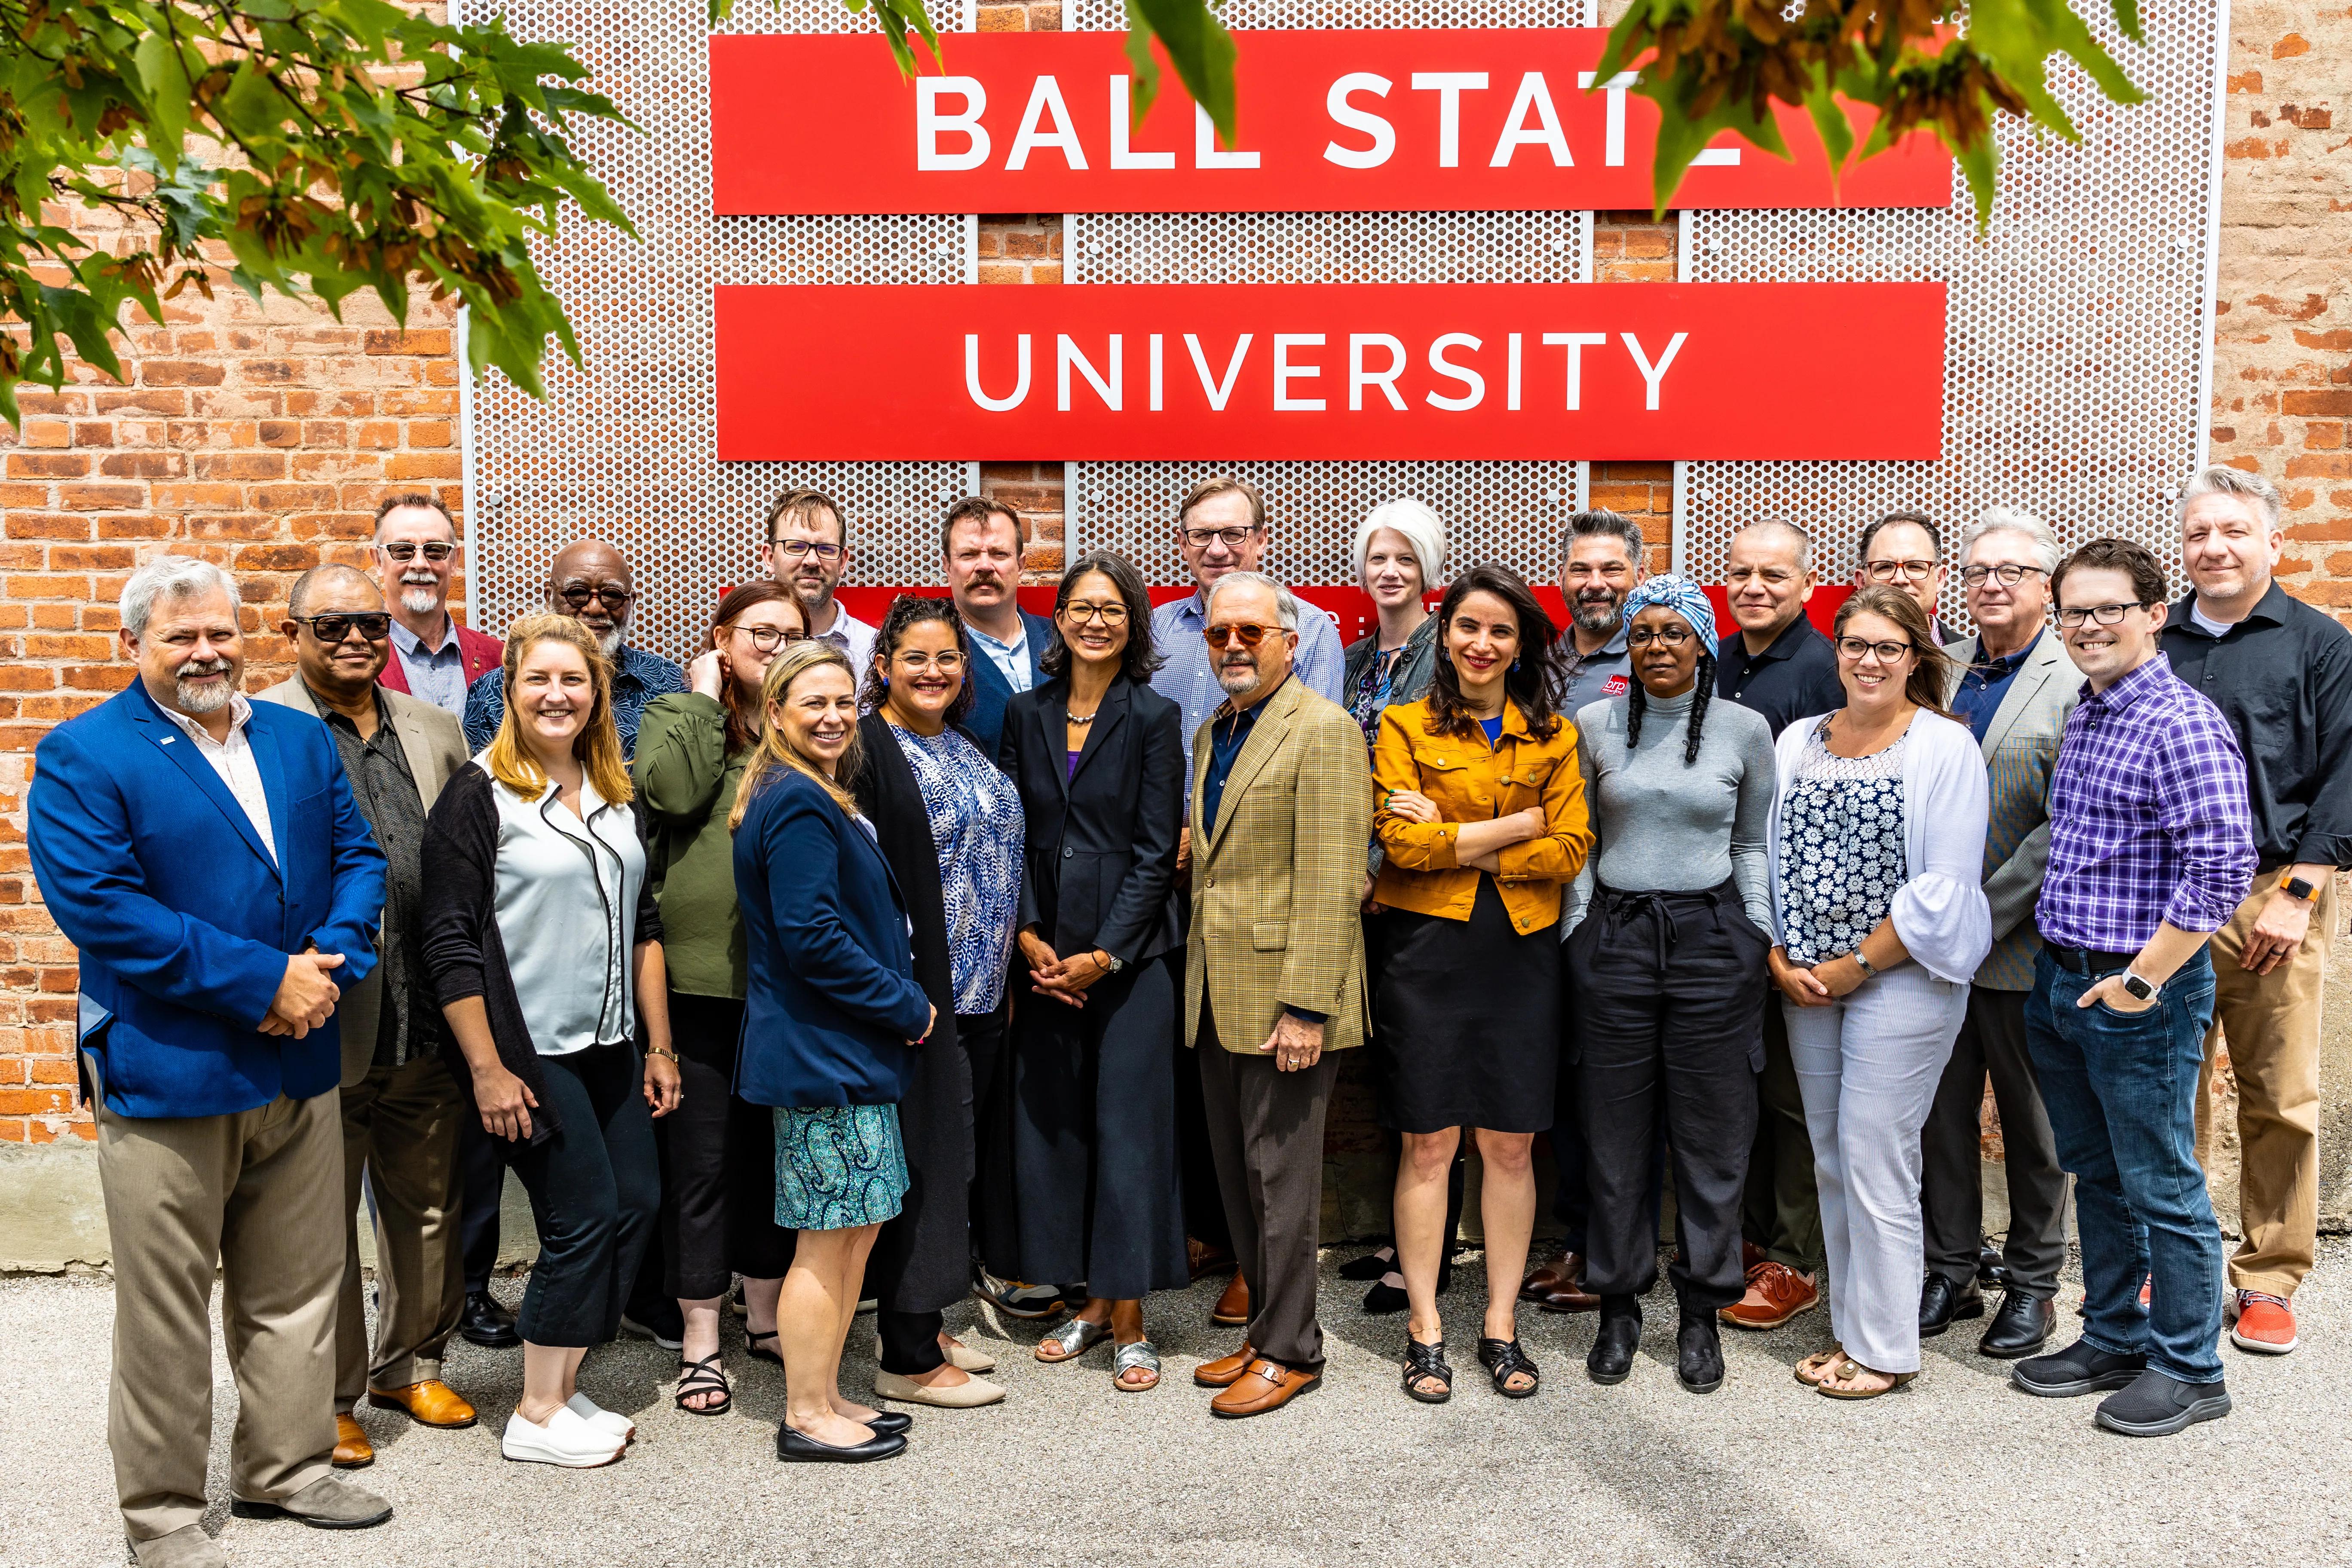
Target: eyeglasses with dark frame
x=1233, y=538
x=374, y=625
x=1642, y=637
x=1858, y=648
x=614, y=600
x=2008, y=573
x=2105, y=615
x=793, y=549
x=404, y=551
x=768, y=640
x=1887, y=571
x=1081, y=613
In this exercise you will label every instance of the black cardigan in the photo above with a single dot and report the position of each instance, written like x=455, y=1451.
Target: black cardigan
x=463, y=950
x=888, y=797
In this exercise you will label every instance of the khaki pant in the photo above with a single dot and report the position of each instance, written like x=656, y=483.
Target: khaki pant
x=2271, y=1024
x=400, y=1129
x=253, y=1196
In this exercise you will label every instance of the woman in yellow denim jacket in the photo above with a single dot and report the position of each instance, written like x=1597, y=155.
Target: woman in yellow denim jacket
x=1480, y=814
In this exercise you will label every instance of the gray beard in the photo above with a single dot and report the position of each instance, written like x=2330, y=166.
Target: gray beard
x=1594, y=617
x=611, y=641
x=420, y=600
x=204, y=700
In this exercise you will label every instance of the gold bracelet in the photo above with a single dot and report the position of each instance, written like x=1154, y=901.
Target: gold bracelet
x=662, y=1051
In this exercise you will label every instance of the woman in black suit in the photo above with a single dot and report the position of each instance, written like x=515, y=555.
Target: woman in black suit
x=1099, y=759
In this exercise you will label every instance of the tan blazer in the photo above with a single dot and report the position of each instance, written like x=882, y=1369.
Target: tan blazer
x=2020, y=746
x=1277, y=884
x=436, y=749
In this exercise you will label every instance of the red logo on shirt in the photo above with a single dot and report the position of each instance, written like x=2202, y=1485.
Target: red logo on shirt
x=1615, y=686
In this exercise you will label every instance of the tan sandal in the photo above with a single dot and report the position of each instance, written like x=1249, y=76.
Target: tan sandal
x=1848, y=1367
x=1813, y=1368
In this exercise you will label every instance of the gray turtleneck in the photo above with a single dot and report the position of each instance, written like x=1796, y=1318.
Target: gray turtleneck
x=1666, y=826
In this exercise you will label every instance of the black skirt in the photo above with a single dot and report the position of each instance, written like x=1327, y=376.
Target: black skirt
x=1466, y=1020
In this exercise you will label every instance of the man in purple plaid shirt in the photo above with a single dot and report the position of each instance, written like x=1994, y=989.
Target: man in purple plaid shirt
x=2151, y=850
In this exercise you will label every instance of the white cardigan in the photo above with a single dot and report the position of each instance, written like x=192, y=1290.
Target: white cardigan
x=1940, y=912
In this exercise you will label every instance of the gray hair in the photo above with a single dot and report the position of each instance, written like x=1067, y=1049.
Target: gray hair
x=173, y=577
x=1422, y=528
x=1601, y=522
x=1784, y=526
x=1285, y=606
x=2016, y=519
x=2220, y=479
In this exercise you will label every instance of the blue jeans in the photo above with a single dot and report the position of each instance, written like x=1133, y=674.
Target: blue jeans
x=2121, y=1091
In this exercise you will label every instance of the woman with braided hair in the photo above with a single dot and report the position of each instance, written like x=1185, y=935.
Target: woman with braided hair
x=1666, y=952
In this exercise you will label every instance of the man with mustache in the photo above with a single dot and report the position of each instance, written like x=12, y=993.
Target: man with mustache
x=590, y=582
x=416, y=556
x=979, y=548
x=806, y=548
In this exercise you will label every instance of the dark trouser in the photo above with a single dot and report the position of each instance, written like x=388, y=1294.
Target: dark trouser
x=1196, y=1161
x=718, y=1162
x=1992, y=1041
x=399, y=1131
x=2122, y=1093
x=1783, y=1213
x=595, y=1190
x=1571, y=1202
x=481, y=1182
x=911, y=1341
x=995, y=1216
x=1265, y=1129
x=1672, y=985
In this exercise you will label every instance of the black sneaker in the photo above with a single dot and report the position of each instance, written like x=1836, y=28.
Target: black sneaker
x=2156, y=1405
x=2080, y=1368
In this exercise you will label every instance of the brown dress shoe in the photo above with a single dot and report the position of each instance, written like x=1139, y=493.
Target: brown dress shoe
x=1548, y=1279
x=352, y=1449
x=1203, y=1259
x=1267, y=1385
x=1233, y=1308
x=1776, y=1293
x=432, y=1402
x=1226, y=1371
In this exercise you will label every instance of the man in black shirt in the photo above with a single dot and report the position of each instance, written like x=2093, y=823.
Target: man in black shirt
x=2282, y=673
x=400, y=1108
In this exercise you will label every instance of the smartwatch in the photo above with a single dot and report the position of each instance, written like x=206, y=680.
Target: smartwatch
x=2296, y=887
x=2141, y=990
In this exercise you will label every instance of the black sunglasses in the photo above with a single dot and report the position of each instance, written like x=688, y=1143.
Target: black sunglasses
x=374, y=625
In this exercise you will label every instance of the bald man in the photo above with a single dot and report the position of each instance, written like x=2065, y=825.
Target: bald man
x=401, y=1110
x=590, y=582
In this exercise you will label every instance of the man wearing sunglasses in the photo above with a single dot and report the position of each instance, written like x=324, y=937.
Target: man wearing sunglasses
x=416, y=556
x=401, y=1110
x=590, y=582
x=1906, y=549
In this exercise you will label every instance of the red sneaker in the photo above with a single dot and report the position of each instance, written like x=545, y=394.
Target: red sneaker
x=1776, y=1293
x=2266, y=1324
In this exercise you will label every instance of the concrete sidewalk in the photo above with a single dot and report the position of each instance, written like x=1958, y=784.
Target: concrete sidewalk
x=1958, y=1469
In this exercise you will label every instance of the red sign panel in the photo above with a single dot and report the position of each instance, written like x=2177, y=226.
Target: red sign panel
x=1485, y=118
x=1233, y=372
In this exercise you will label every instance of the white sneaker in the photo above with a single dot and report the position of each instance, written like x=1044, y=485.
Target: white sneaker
x=565, y=1440
x=603, y=1420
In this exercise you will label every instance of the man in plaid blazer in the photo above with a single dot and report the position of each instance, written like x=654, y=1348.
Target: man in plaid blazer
x=1274, y=970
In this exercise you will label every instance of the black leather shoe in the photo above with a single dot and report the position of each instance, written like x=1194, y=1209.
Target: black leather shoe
x=1942, y=1303
x=2080, y=1368
x=1991, y=1268
x=794, y=1446
x=2021, y=1325
x=889, y=1423
x=1698, y=1352
x=486, y=1323
x=2156, y=1405
x=1611, y=1359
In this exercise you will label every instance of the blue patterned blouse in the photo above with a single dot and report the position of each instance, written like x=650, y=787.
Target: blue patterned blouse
x=978, y=827
x=1841, y=859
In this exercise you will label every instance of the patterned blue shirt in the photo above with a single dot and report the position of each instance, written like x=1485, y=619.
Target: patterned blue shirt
x=639, y=677
x=1187, y=678
x=978, y=827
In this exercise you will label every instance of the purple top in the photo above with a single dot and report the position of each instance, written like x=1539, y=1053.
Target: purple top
x=2148, y=816
x=1074, y=765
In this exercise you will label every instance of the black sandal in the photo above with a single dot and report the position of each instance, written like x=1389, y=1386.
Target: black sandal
x=702, y=1377
x=1504, y=1360
x=1426, y=1362
x=752, y=1347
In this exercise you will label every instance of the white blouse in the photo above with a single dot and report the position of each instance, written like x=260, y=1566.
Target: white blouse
x=567, y=915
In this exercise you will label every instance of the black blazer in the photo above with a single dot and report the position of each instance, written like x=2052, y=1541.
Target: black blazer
x=890, y=798
x=1100, y=860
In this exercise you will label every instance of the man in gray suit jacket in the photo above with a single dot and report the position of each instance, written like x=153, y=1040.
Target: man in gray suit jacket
x=2014, y=686
x=400, y=1108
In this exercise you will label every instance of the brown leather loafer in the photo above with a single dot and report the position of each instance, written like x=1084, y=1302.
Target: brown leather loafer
x=352, y=1449
x=432, y=1402
x=1233, y=1308
x=1548, y=1278
x=1226, y=1371
x=1266, y=1386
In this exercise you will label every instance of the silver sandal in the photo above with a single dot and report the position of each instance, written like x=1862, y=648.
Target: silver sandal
x=1076, y=1337
x=1141, y=1355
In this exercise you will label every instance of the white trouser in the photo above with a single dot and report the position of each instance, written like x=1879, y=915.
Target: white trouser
x=1867, y=1065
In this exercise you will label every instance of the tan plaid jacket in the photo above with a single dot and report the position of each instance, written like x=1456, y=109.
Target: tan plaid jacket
x=1277, y=884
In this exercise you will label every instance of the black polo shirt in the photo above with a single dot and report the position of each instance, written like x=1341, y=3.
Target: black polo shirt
x=2283, y=677
x=1795, y=677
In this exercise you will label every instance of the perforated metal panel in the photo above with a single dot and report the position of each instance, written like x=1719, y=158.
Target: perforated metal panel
x=2075, y=376
x=1506, y=512
x=625, y=447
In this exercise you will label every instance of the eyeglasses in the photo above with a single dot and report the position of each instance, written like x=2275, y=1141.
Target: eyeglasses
x=767, y=639
x=793, y=549
x=1233, y=538
x=1887, y=571
x=436, y=551
x=614, y=600
x=1673, y=636
x=1246, y=635
x=1108, y=615
x=2105, y=615
x=374, y=625
x=2008, y=573
x=948, y=663
x=1860, y=648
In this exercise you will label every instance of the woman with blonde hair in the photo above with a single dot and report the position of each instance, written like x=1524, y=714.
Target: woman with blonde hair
x=543, y=943
x=832, y=1019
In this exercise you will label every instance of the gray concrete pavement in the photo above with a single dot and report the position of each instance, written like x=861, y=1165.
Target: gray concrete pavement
x=1956, y=1468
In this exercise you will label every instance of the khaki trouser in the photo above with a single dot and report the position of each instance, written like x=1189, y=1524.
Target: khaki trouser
x=253, y=1194
x=2271, y=1023
x=399, y=1127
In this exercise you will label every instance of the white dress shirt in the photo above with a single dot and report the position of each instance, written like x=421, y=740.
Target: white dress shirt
x=233, y=758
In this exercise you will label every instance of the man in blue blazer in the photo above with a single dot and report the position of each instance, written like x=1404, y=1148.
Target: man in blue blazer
x=205, y=856
x=980, y=542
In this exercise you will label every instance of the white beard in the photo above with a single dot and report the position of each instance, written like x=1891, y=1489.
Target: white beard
x=420, y=600
x=610, y=642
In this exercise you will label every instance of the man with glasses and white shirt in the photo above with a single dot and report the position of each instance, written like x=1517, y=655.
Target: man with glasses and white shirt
x=433, y=657
x=1906, y=549
x=806, y=548
x=590, y=582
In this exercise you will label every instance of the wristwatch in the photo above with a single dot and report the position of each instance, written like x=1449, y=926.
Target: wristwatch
x=1112, y=963
x=2142, y=990
x=2296, y=887
x=1869, y=970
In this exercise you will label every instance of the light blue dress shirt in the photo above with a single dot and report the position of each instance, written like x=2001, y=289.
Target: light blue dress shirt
x=1187, y=678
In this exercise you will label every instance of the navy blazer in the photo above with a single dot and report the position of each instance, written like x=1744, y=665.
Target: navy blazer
x=184, y=922
x=830, y=1000
x=991, y=691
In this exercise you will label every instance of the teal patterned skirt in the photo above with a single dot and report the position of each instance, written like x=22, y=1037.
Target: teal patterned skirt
x=838, y=1166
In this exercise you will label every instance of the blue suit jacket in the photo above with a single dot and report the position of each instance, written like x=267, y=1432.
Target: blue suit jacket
x=184, y=924
x=991, y=691
x=831, y=999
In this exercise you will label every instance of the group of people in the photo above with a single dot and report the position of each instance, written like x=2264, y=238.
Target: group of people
x=985, y=951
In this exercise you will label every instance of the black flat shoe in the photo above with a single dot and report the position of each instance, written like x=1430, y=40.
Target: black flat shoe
x=1610, y=1360
x=1385, y=1300
x=1698, y=1353
x=888, y=1423
x=486, y=1323
x=2081, y=1368
x=1371, y=1265
x=1943, y=1303
x=2022, y=1326
x=795, y=1446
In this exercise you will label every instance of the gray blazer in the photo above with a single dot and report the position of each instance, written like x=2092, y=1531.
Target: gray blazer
x=2020, y=746
x=436, y=749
